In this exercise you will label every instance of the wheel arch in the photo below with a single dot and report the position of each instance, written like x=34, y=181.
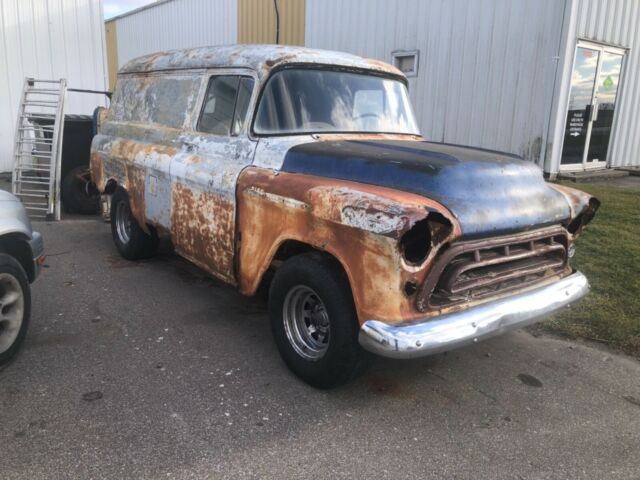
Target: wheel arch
x=110, y=186
x=136, y=201
x=16, y=244
x=283, y=250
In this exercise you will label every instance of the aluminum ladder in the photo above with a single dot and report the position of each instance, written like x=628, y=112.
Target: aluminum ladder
x=38, y=147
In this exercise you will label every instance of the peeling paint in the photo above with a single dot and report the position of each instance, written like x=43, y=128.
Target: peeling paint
x=376, y=222
x=577, y=199
x=261, y=58
x=202, y=230
x=285, y=201
x=166, y=100
x=229, y=205
x=371, y=260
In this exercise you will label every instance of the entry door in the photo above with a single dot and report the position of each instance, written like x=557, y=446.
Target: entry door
x=205, y=172
x=592, y=103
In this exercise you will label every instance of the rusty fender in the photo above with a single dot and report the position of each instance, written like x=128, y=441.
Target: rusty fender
x=124, y=162
x=360, y=225
x=583, y=208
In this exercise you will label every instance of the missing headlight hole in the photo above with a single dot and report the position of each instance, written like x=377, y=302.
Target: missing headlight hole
x=580, y=221
x=416, y=243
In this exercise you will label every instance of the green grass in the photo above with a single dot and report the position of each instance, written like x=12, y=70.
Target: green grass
x=608, y=253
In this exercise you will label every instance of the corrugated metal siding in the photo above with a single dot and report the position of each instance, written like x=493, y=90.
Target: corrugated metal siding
x=176, y=24
x=617, y=22
x=48, y=39
x=486, y=66
x=257, y=21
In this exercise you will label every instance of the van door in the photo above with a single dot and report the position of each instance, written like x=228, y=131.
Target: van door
x=205, y=171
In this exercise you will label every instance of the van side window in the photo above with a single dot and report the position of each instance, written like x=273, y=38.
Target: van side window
x=225, y=104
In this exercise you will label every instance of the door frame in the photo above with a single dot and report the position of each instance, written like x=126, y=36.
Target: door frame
x=207, y=168
x=602, y=48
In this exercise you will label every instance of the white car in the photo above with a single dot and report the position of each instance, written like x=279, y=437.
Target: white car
x=21, y=257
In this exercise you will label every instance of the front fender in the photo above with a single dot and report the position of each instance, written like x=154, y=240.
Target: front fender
x=17, y=237
x=13, y=217
x=360, y=225
x=583, y=207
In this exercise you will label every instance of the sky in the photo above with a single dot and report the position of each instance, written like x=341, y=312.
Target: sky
x=118, y=7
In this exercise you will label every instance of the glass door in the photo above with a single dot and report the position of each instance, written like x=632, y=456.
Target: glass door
x=583, y=81
x=606, y=92
x=594, y=87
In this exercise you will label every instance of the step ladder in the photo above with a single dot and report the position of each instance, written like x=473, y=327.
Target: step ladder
x=38, y=147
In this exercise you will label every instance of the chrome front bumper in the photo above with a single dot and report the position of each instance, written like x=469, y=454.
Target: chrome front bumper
x=454, y=330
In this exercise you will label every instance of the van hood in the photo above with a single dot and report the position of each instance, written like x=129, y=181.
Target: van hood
x=490, y=193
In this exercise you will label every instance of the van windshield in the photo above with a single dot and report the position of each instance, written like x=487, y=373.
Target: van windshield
x=303, y=101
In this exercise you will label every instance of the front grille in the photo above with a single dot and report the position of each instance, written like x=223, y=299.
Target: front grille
x=473, y=270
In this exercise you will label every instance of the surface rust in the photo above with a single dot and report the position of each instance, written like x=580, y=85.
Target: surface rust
x=583, y=208
x=135, y=188
x=502, y=251
x=260, y=58
x=275, y=208
x=236, y=238
x=96, y=168
x=202, y=230
x=127, y=166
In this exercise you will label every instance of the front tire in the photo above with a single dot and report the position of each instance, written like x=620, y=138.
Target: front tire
x=314, y=321
x=15, y=306
x=131, y=240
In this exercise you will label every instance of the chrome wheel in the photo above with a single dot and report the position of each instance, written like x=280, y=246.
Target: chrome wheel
x=123, y=222
x=11, y=310
x=306, y=323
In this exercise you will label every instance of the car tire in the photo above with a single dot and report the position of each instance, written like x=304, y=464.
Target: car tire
x=75, y=195
x=131, y=240
x=15, y=306
x=314, y=322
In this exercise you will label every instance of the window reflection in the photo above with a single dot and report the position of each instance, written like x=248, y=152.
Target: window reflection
x=582, y=78
x=582, y=84
x=309, y=101
x=607, y=89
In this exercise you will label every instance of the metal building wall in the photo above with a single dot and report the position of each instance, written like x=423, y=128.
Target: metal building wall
x=617, y=22
x=486, y=67
x=257, y=21
x=49, y=39
x=176, y=24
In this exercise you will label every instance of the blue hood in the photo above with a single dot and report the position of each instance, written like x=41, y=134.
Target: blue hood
x=488, y=192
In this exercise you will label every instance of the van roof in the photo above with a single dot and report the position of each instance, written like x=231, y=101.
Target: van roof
x=261, y=58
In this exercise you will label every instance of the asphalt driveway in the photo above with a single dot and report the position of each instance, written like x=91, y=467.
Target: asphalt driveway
x=151, y=370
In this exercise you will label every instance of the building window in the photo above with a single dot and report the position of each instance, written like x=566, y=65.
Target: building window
x=406, y=62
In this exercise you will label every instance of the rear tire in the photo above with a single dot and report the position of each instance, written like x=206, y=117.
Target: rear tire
x=132, y=242
x=314, y=322
x=15, y=306
x=75, y=193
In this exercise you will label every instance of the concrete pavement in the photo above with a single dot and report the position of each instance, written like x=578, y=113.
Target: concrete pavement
x=151, y=370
